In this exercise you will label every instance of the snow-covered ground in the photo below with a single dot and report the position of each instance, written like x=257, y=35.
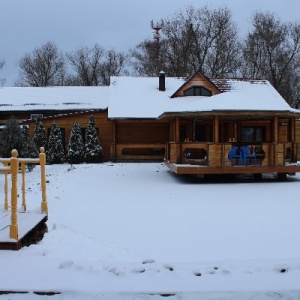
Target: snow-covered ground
x=136, y=231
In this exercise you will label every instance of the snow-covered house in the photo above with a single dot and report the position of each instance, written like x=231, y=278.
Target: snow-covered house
x=192, y=124
x=195, y=123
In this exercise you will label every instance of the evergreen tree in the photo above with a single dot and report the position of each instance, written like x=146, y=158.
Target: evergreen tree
x=75, y=146
x=40, y=135
x=93, y=149
x=29, y=148
x=11, y=137
x=55, y=150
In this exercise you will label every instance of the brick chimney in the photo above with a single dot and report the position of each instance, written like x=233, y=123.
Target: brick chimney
x=162, y=81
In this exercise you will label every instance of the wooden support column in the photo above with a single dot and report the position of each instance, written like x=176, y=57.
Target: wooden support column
x=177, y=140
x=292, y=129
x=276, y=130
x=236, y=137
x=114, y=144
x=177, y=130
x=171, y=131
x=194, y=130
x=293, y=138
x=216, y=129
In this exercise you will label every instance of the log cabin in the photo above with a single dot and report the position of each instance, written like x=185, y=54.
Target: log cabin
x=193, y=124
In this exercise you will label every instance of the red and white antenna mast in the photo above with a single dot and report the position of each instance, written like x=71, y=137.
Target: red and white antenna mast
x=157, y=27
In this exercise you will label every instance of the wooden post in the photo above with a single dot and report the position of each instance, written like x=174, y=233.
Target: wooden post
x=194, y=130
x=14, y=168
x=177, y=130
x=23, y=168
x=177, y=140
x=276, y=131
x=235, y=130
x=44, y=204
x=292, y=138
x=5, y=189
x=114, y=128
x=216, y=129
x=292, y=129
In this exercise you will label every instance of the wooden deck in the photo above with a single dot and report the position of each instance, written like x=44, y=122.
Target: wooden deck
x=27, y=222
x=201, y=170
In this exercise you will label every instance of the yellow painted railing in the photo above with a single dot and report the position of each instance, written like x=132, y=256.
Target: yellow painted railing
x=11, y=166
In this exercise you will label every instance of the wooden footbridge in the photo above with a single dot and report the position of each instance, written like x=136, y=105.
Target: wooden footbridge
x=16, y=226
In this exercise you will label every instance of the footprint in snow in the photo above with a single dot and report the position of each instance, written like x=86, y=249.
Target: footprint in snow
x=148, y=261
x=66, y=264
x=138, y=270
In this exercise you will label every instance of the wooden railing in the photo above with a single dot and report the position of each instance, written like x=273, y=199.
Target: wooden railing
x=272, y=154
x=11, y=166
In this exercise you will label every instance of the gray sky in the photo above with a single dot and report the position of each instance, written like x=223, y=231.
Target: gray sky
x=119, y=24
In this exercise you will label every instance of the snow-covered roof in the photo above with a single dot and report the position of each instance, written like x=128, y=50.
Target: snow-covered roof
x=53, y=98
x=139, y=97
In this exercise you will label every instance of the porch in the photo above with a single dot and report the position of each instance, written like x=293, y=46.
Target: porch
x=209, y=158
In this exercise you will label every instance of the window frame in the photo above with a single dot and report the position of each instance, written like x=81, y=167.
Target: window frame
x=195, y=89
x=255, y=133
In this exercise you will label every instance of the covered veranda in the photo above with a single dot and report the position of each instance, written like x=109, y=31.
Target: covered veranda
x=199, y=143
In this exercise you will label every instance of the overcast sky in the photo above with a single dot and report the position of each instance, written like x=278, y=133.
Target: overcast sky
x=119, y=24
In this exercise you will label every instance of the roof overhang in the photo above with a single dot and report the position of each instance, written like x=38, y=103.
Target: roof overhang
x=233, y=114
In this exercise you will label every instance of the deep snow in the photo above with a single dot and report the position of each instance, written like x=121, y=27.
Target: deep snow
x=136, y=231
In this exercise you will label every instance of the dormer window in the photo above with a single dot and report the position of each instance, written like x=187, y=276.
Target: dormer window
x=197, y=91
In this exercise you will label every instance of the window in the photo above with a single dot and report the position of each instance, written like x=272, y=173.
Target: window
x=197, y=91
x=252, y=134
x=200, y=133
x=36, y=116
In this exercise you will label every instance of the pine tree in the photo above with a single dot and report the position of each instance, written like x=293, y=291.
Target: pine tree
x=29, y=148
x=55, y=150
x=39, y=138
x=93, y=149
x=11, y=137
x=75, y=146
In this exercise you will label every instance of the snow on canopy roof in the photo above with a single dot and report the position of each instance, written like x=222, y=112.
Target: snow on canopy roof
x=53, y=98
x=139, y=97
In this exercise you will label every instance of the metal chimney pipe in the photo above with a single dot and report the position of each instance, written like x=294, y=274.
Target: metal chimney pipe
x=162, y=81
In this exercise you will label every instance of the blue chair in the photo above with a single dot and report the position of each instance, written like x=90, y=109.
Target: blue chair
x=235, y=153
x=246, y=154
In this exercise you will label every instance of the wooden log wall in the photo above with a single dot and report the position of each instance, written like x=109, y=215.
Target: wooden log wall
x=215, y=155
x=142, y=132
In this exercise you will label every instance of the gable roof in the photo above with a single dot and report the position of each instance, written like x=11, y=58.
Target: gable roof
x=139, y=97
x=196, y=76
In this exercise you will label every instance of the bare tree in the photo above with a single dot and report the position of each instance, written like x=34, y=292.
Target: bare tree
x=194, y=39
x=272, y=51
x=43, y=67
x=94, y=66
x=147, y=58
x=2, y=80
x=86, y=63
x=113, y=65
